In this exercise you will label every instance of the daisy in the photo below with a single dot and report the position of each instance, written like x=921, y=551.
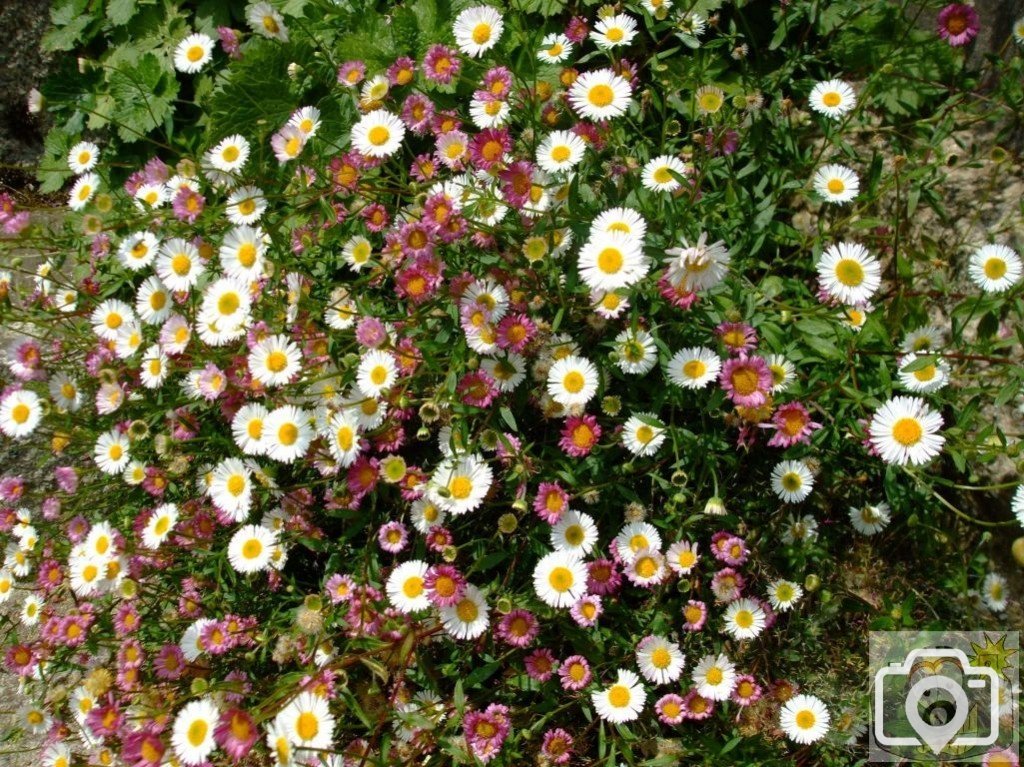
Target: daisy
x=710, y=99
x=657, y=174
x=246, y=205
x=647, y=568
x=693, y=368
x=378, y=134
x=275, y=361
x=804, y=719
x=20, y=413
x=625, y=220
x=613, y=31
x=151, y=196
x=600, y=95
x=800, y=529
x=343, y=438
x=993, y=592
x=508, y=370
x=477, y=30
x=849, y=273
x=635, y=537
x=193, y=53
x=179, y=266
x=111, y=452
x=405, y=588
x=637, y=354
x=308, y=722
x=307, y=120
x=682, y=557
x=138, y=250
x=782, y=372
x=575, y=533
x=83, y=191
x=660, y=660
x=560, y=578
x=242, y=253
x=460, y=483
x=905, y=430
x=832, y=98
x=227, y=301
x=230, y=154
x=153, y=301
x=30, y=610
x=836, y=183
x=265, y=20
x=994, y=268
x=926, y=338
x=230, y=488
x=572, y=381
x=489, y=113
x=83, y=157
x=792, y=481
x=251, y=548
x=161, y=523
x=288, y=433
x=744, y=619
x=870, y=518
x=377, y=372
x=643, y=434
x=554, y=48
x=1017, y=504
x=1018, y=30
x=783, y=594
x=923, y=380
x=288, y=143
x=612, y=260
x=560, y=151
x=468, y=617
x=357, y=252
x=622, y=701
x=715, y=677
x=192, y=732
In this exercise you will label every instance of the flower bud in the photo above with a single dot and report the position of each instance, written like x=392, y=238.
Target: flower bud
x=507, y=523
x=198, y=686
x=1017, y=549
x=812, y=582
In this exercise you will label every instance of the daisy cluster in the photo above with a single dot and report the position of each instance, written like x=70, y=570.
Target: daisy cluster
x=434, y=425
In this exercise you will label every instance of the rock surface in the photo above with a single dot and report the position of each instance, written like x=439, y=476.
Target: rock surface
x=22, y=67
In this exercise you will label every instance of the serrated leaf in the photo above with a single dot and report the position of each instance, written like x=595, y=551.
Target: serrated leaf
x=145, y=96
x=120, y=12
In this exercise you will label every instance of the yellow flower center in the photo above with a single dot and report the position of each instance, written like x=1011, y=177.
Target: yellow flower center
x=561, y=579
x=610, y=260
x=181, y=264
x=995, y=268
x=619, y=696
x=460, y=488
x=744, y=619
x=831, y=99
x=694, y=369
x=661, y=658
x=481, y=33
x=836, y=185
x=805, y=719
x=288, y=434
x=277, y=361
x=560, y=153
x=20, y=412
x=197, y=732
x=413, y=587
x=601, y=95
x=714, y=675
x=645, y=567
x=195, y=53
x=644, y=434
x=574, y=535
x=907, y=431
x=252, y=548
x=379, y=375
x=615, y=34
x=236, y=484
x=467, y=610
x=378, y=135
x=744, y=380
x=308, y=725
x=228, y=303
x=662, y=175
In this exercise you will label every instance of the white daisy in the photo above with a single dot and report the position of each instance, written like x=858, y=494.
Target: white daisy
x=622, y=701
x=905, y=430
x=250, y=548
x=832, y=98
x=836, y=183
x=560, y=578
x=634, y=537
x=357, y=252
x=613, y=31
x=83, y=190
x=657, y=174
x=693, y=368
x=241, y=253
x=783, y=594
x=993, y=592
x=477, y=29
x=193, y=53
x=682, y=557
x=636, y=352
x=870, y=518
x=150, y=196
x=849, y=273
x=308, y=721
x=744, y=619
x=612, y=260
x=247, y=428
x=574, y=533
x=600, y=95
x=489, y=113
x=20, y=413
x=714, y=677
x=275, y=361
x=572, y=381
x=1017, y=504
x=192, y=732
x=507, y=370
x=179, y=266
x=30, y=610
x=161, y=523
x=111, y=452
x=643, y=434
x=265, y=20
x=792, y=481
x=926, y=338
x=83, y=157
x=7, y=584
x=660, y=660
x=994, y=268
x=560, y=151
x=460, y=483
x=378, y=134
x=138, y=250
x=783, y=372
x=153, y=301
x=65, y=393
x=932, y=376
x=307, y=120
x=554, y=48
x=804, y=719
x=246, y=205
x=620, y=219
x=404, y=587
x=377, y=373
x=467, y=618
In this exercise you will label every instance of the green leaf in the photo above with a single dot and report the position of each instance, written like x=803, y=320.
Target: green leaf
x=145, y=96
x=730, y=745
x=508, y=418
x=120, y=12
x=459, y=697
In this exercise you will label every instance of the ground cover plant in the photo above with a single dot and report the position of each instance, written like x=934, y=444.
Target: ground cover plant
x=545, y=382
